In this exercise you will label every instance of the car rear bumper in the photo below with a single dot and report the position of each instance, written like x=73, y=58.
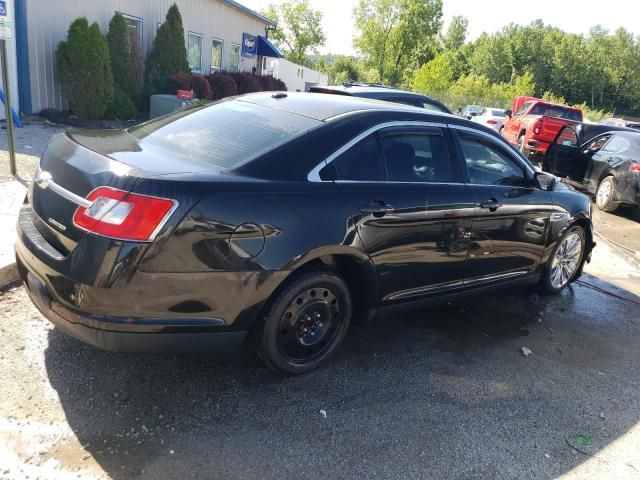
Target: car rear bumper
x=537, y=147
x=193, y=312
x=124, y=334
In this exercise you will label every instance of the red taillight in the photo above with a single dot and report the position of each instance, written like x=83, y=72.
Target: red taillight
x=492, y=122
x=125, y=216
x=635, y=167
x=537, y=127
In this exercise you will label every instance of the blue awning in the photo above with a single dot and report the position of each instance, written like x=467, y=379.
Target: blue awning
x=267, y=49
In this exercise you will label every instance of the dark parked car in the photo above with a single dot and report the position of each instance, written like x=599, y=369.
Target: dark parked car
x=471, y=111
x=284, y=216
x=600, y=159
x=380, y=92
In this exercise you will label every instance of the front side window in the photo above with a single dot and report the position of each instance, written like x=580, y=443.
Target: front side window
x=488, y=164
x=194, y=52
x=234, y=58
x=416, y=157
x=523, y=109
x=216, y=55
x=360, y=163
x=596, y=145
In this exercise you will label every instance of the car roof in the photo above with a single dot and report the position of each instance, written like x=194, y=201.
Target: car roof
x=326, y=107
x=370, y=90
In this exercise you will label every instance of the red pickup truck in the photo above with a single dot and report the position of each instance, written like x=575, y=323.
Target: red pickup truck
x=534, y=123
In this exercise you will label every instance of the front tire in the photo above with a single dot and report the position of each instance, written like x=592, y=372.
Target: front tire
x=565, y=261
x=521, y=146
x=604, y=195
x=305, y=323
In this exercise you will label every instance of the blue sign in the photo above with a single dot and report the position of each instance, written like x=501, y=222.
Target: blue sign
x=3, y=8
x=249, y=45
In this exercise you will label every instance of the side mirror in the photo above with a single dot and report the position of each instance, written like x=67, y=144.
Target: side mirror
x=469, y=117
x=544, y=181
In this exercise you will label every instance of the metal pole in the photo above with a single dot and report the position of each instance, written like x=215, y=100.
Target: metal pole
x=7, y=106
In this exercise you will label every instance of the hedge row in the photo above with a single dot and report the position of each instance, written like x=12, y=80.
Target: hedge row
x=223, y=84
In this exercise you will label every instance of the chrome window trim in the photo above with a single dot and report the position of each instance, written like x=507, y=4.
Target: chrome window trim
x=314, y=175
x=505, y=146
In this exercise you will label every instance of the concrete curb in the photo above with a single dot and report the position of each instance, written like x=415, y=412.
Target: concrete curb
x=8, y=275
x=12, y=194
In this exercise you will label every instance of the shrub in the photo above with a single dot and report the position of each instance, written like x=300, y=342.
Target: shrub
x=280, y=86
x=136, y=73
x=178, y=81
x=119, y=51
x=201, y=87
x=222, y=85
x=84, y=69
x=122, y=107
x=267, y=83
x=247, y=82
x=168, y=54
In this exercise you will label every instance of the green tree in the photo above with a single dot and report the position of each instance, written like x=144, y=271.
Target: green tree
x=393, y=34
x=168, y=54
x=344, y=69
x=299, y=31
x=119, y=42
x=434, y=77
x=456, y=33
x=84, y=69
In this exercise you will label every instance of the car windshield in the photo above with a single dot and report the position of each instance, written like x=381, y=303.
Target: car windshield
x=225, y=134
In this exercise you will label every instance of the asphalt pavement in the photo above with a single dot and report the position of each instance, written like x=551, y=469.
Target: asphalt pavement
x=439, y=393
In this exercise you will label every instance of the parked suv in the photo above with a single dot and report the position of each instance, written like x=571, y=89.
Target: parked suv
x=381, y=92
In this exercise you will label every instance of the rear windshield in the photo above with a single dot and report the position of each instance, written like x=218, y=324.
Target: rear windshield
x=556, y=111
x=225, y=134
x=497, y=113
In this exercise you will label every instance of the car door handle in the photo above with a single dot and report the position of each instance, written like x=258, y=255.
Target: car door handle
x=492, y=204
x=376, y=208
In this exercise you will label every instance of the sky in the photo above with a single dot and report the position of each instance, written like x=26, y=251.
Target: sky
x=576, y=16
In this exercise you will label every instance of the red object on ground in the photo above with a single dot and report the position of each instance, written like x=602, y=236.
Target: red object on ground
x=185, y=95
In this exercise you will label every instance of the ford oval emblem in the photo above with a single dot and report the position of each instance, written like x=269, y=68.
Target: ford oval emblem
x=43, y=178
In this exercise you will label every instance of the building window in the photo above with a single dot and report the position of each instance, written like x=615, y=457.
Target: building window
x=234, y=58
x=216, y=55
x=134, y=25
x=194, y=52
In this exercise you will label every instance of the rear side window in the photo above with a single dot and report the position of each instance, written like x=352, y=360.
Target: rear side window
x=416, y=157
x=359, y=163
x=616, y=145
x=225, y=134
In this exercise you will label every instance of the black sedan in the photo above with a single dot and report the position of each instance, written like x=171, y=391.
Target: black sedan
x=600, y=159
x=279, y=218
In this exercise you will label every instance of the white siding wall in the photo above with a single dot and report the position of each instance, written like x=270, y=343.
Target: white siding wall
x=297, y=77
x=48, y=22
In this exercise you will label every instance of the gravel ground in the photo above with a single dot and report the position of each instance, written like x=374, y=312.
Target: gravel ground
x=31, y=142
x=442, y=393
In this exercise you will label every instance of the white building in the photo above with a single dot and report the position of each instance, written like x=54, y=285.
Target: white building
x=297, y=77
x=214, y=32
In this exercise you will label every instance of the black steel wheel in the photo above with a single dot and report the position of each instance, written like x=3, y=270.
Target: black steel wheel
x=305, y=323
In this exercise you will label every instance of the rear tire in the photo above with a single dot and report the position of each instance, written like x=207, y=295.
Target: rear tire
x=565, y=261
x=604, y=195
x=304, y=323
